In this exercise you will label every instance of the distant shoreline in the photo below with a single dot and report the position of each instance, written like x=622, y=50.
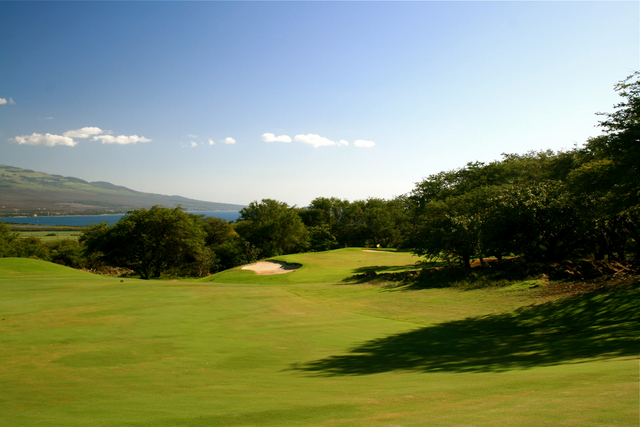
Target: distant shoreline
x=86, y=220
x=103, y=214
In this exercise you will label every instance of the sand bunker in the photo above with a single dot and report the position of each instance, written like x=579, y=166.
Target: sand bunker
x=271, y=267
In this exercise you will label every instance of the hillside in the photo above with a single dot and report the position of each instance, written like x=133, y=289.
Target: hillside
x=23, y=191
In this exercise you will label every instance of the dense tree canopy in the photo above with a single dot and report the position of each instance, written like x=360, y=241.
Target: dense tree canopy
x=273, y=227
x=543, y=205
x=6, y=240
x=148, y=241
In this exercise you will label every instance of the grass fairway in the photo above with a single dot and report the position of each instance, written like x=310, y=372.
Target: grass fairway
x=306, y=349
x=323, y=267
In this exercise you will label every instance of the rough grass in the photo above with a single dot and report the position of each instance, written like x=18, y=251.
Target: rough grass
x=51, y=236
x=80, y=350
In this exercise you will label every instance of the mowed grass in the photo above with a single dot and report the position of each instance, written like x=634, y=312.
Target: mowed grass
x=306, y=349
x=51, y=236
x=322, y=267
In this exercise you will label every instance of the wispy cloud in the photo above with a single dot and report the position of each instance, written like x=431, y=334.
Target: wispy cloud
x=120, y=139
x=85, y=132
x=361, y=143
x=192, y=136
x=211, y=141
x=46, y=140
x=229, y=140
x=4, y=101
x=269, y=137
x=194, y=144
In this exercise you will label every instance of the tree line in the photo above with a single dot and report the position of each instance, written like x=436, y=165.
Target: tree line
x=544, y=206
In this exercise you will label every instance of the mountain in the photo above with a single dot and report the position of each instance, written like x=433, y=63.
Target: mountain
x=27, y=192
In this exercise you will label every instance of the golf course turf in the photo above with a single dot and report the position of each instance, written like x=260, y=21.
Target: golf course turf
x=307, y=348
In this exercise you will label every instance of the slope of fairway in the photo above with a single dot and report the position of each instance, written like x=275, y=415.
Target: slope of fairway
x=26, y=267
x=329, y=266
x=80, y=350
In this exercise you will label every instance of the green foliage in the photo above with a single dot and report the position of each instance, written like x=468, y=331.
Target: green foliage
x=234, y=252
x=273, y=227
x=543, y=205
x=321, y=238
x=324, y=214
x=445, y=228
x=455, y=215
x=382, y=222
x=149, y=241
x=373, y=222
x=537, y=221
x=31, y=247
x=608, y=178
x=217, y=231
x=6, y=240
x=323, y=210
x=66, y=252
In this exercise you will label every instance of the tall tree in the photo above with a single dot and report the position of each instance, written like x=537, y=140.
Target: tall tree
x=217, y=231
x=273, y=227
x=7, y=239
x=149, y=242
x=537, y=220
x=613, y=163
x=608, y=180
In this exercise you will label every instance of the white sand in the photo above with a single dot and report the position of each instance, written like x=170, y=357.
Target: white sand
x=271, y=267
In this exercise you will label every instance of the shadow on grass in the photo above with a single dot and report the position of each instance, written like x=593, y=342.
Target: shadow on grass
x=386, y=268
x=433, y=274
x=587, y=326
x=407, y=274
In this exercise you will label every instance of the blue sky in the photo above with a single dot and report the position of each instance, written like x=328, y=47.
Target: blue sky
x=239, y=101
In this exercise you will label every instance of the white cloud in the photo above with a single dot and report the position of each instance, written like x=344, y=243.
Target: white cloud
x=85, y=132
x=315, y=140
x=121, y=139
x=49, y=140
x=194, y=144
x=211, y=141
x=269, y=137
x=192, y=136
x=46, y=140
x=229, y=140
x=4, y=101
x=361, y=143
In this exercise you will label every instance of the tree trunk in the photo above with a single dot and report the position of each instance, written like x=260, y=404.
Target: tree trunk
x=466, y=260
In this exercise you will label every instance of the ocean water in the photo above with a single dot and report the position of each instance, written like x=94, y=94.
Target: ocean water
x=84, y=220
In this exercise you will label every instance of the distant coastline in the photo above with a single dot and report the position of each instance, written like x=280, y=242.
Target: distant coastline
x=86, y=220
